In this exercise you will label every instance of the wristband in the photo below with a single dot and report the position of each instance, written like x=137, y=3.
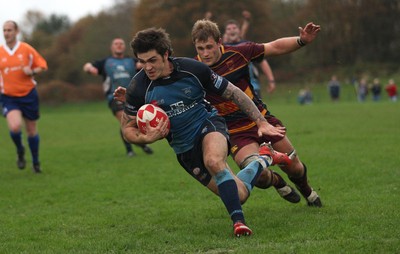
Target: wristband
x=300, y=42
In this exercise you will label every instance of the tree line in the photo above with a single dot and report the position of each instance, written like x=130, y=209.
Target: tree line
x=354, y=32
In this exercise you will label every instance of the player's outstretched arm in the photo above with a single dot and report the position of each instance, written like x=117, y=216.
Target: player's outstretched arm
x=89, y=68
x=289, y=44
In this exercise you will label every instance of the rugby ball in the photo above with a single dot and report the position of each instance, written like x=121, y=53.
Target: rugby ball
x=151, y=113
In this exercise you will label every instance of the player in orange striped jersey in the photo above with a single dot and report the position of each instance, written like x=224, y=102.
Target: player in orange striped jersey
x=19, y=62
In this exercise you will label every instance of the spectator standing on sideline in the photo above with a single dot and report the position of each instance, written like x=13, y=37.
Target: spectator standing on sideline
x=197, y=134
x=376, y=90
x=391, y=89
x=116, y=70
x=362, y=90
x=334, y=88
x=19, y=63
x=231, y=62
x=305, y=96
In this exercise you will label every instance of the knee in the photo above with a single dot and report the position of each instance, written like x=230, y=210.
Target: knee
x=296, y=168
x=15, y=128
x=214, y=164
x=243, y=198
x=31, y=132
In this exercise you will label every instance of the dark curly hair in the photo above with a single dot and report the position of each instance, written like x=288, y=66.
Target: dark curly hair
x=149, y=39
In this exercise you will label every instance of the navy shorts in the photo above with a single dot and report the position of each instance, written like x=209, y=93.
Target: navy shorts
x=192, y=160
x=243, y=138
x=28, y=105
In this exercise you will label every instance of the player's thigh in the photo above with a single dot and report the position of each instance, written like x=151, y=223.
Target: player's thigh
x=215, y=151
x=14, y=120
x=284, y=145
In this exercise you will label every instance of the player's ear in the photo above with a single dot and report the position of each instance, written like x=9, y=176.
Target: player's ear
x=166, y=55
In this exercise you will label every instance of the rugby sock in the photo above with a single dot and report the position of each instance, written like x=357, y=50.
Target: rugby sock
x=34, y=146
x=128, y=146
x=302, y=183
x=229, y=195
x=17, y=139
x=277, y=180
x=250, y=173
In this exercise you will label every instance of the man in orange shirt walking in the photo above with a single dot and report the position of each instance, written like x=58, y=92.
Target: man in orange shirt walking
x=19, y=63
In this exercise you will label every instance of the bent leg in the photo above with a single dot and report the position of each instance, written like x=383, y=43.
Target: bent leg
x=297, y=172
x=267, y=177
x=215, y=150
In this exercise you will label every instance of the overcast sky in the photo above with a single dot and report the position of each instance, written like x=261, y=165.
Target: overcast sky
x=74, y=9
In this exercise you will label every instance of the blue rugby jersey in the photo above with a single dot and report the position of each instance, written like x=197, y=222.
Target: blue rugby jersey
x=116, y=72
x=181, y=96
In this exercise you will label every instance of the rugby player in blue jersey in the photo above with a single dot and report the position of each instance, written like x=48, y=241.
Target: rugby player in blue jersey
x=197, y=134
x=116, y=70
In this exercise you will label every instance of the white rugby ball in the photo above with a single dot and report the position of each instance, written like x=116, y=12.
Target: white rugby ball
x=151, y=113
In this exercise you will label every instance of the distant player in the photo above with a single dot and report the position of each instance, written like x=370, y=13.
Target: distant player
x=19, y=63
x=116, y=70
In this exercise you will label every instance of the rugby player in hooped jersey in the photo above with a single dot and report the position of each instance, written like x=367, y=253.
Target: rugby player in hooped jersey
x=232, y=62
x=197, y=134
x=19, y=63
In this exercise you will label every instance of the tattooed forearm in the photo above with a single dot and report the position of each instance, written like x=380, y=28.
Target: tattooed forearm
x=129, y=128
x=128, y=120
x=244, y=102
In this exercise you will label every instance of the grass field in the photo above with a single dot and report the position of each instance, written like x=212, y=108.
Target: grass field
x=91, y=198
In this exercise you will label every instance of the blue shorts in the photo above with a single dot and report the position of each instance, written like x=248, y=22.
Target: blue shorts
x=28, y=105
x=192, y=161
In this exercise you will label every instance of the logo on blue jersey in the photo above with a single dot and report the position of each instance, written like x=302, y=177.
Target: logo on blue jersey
x=187, y=91
x=179, y=108
x=217, y=80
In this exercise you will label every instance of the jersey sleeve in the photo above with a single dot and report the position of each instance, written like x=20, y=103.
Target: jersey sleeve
x=134, y=97
x=37, y=60
x=211, y=81
x=252, y=51
x=99, y=65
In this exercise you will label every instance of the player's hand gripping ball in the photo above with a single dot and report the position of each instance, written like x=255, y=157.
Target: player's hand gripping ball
x=151, y=113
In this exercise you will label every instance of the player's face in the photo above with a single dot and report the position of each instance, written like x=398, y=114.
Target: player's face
x=118, y=47
x=155, y=65
x=209, y=51
x=232, y=33
x=10, y=32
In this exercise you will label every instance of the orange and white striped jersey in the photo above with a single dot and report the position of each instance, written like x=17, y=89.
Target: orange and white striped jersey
x=13, y=81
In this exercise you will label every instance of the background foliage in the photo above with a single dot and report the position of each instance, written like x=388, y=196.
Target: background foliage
x=357, y=36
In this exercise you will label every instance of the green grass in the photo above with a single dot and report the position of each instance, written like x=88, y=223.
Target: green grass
x=91, y=198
